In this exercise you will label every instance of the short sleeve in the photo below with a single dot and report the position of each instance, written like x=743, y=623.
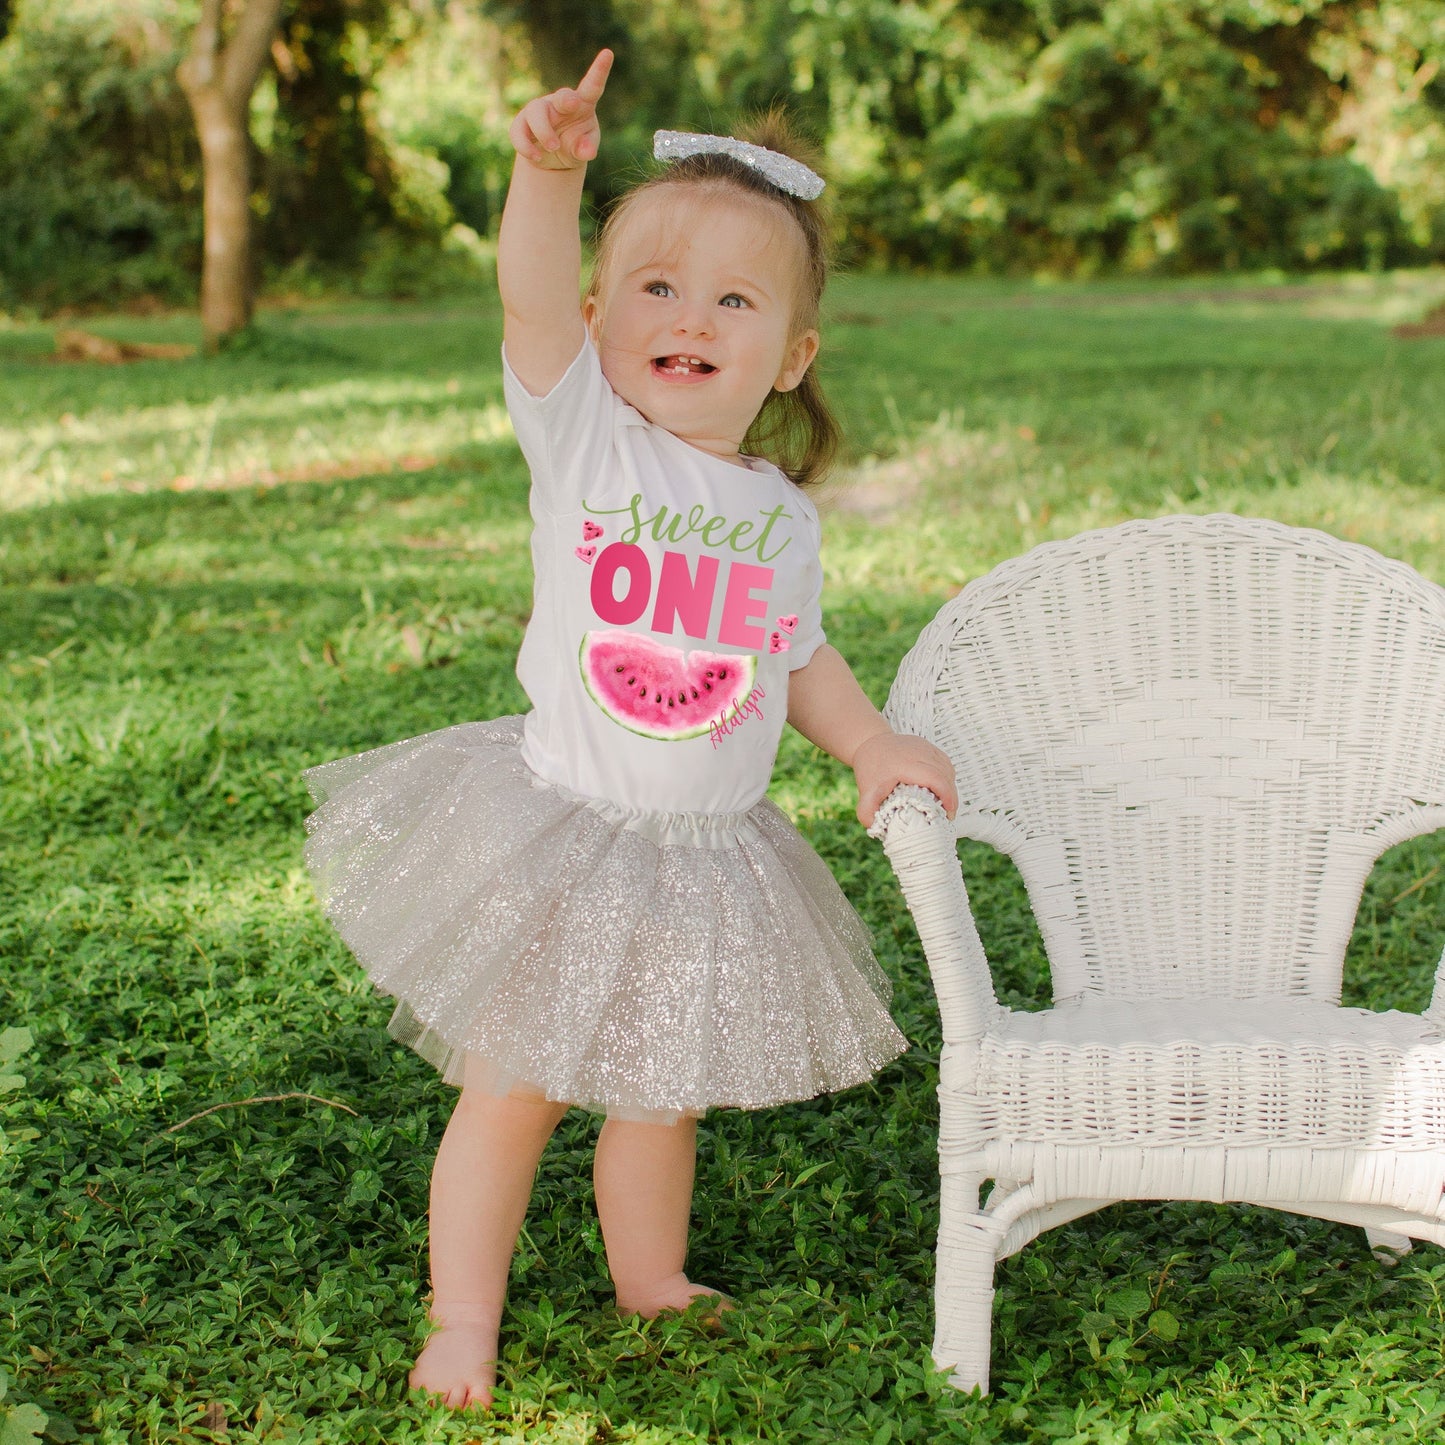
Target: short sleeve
x=563, y=433
x=808, y=636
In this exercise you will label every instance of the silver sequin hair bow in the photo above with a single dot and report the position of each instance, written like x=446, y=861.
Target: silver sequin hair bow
x=783, y=171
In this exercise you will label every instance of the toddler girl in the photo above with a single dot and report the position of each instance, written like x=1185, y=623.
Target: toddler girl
x=595, y=904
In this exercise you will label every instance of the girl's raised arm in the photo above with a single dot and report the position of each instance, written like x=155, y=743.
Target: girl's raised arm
x=539, y=252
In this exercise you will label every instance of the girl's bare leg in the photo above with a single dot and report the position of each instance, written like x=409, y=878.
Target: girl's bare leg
x=480, y=1185
x=643, y=1175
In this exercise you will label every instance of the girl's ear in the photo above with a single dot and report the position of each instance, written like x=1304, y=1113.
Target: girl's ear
x=591, y=317
x=796, y=361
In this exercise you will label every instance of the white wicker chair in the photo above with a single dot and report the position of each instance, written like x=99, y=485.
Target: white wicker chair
x=1194, y=736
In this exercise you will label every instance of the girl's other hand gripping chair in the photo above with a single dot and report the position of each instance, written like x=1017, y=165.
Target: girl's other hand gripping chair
x=1194, y=736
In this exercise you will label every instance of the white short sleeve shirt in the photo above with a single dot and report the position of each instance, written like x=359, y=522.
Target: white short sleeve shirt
x=674, y=592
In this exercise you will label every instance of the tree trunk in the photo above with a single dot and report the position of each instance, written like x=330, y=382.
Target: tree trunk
x=218, y=83
x=226, y=291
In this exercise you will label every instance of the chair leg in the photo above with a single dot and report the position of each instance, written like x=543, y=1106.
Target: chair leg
x=1388, y=1247
x=963, y=1291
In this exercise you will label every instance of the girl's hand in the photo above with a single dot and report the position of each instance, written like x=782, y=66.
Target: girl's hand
x=887, y=759
x=559, y=132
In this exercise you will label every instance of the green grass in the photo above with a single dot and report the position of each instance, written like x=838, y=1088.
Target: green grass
x=216, y=574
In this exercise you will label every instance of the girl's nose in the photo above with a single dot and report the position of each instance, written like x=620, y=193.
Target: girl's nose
x=693, y=319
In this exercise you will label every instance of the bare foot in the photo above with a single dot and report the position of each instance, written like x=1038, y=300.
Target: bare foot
x=672, y=1295
x=459, y=1361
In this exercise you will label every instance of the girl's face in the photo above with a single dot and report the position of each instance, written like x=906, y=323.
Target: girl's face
x=694, y=319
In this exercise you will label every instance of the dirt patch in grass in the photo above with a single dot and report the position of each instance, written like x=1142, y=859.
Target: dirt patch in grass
x=1433, y=324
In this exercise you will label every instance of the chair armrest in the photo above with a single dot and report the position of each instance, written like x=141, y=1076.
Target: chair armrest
x=921, y=844
x=1436, y=1012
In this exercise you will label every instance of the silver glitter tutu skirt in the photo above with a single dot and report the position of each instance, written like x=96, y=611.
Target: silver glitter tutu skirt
x=643, y=964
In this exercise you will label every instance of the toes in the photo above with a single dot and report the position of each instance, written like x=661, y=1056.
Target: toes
x=470, y=1394
x=456, y=1367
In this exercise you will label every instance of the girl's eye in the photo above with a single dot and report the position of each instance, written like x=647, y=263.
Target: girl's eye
x=658, y=288
x=733, y=299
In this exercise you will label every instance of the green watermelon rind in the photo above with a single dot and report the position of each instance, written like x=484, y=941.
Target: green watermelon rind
x=747, y=671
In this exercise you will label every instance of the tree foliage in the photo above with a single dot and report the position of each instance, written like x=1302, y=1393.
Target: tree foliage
x=1024, y=135
x=100, y=169
x=328, y=179
x=1068, y=136
x=99, y=166
x=1149, y=138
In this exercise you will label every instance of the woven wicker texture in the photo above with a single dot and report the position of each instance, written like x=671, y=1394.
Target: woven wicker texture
x=1194, y=736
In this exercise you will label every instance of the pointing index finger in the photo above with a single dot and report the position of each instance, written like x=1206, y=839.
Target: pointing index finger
x=591, y=86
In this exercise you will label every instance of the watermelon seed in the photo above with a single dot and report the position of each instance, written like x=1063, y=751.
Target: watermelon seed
x=618, y=668
x=708, y=686
x=657, y=698
x=671, y=703
x=630, y=680
x=722, y=672
x=694, y=692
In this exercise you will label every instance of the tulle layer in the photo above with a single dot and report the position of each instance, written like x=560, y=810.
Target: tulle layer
x=639, y=963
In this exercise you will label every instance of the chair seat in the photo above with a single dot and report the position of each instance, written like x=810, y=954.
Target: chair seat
x=1223, y=1072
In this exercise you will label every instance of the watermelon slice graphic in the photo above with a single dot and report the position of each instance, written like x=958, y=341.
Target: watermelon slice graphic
x=660, y=691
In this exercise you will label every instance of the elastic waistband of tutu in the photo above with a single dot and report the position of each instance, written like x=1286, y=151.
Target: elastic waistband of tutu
x=682, y=830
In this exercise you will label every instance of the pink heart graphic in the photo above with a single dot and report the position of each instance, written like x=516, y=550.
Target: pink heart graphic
x=789, y=623
x=590, y=531
x=778, y=643
x=586, y=554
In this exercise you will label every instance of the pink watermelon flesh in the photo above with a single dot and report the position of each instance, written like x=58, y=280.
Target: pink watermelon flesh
x=660, y=691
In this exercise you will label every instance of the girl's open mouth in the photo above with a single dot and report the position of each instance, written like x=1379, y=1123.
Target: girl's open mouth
x=681, y=366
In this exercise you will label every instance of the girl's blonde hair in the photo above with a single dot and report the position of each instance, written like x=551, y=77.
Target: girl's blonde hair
x=796, y=430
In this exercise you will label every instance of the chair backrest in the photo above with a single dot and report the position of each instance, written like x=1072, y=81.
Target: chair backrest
x=1194, y=736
